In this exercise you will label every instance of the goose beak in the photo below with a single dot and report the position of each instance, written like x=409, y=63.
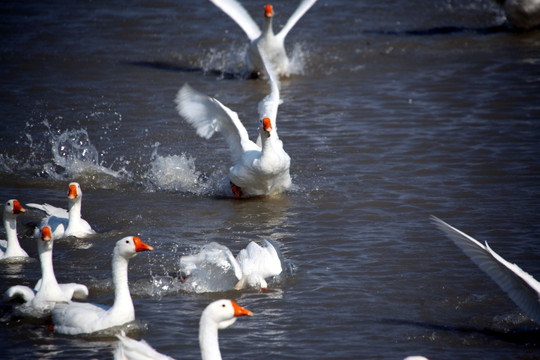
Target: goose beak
x=268, y=11
x=46, y=234
x=140, y=246
x=267, y=125
x=72, y=192
x=240, y=311
x=17, y=208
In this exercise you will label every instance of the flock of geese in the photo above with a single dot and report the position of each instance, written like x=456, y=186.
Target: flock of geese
x=259, y=168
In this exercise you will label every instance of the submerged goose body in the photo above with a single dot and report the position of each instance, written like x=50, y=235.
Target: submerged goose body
x=65, y=223
x=76, y=318
x=10, y=248
x=251, y=267
x=47, y=292
x=521, y=287
x=216, y=316
x=273, y=45
x=259, y=168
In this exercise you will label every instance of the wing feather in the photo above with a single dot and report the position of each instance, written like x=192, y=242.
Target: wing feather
x=304, y=6
x=237, y=12
x=521, y=287
x=208, y=116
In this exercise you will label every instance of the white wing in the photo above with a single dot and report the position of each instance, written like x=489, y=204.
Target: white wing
x=304, y=6
x=268, y=107
x=74, y=290
x=240, y=16
x=207, y=115
x=50, y=210
x=130, y=349
x=262, y=261
x=21, y=292
x=522, y=288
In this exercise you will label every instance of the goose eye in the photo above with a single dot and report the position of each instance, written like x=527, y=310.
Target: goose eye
x=223, y=305
x=127, y=241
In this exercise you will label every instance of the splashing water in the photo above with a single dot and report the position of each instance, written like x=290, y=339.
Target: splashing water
x=174, y=173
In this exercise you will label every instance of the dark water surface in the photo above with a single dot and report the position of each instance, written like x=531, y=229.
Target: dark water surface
x=400, y=110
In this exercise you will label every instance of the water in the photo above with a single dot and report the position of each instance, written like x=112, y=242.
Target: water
x=399, y=110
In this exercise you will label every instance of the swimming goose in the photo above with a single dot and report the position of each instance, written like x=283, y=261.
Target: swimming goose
x=216, y=316
x=521, y=287
x=65, y=223
x=40, y=300
x=251, y=267
x=10, y=248
x=260, y=168
x=272, y=44
x=76, y=318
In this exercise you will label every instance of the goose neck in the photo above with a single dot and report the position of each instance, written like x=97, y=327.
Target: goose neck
x=208, y=339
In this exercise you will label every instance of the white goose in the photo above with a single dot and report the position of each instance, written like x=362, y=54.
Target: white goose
x=522, y=288
x=65, y=223
x=272, y=44
x=40, y=300
x=216, y=316
x=522, y=14
x=260, y=168
x=10, y=248
x=251, y=267
x=84, y=318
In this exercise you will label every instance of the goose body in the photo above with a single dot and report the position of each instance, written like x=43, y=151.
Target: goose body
x=75, y=318
x=10, y=248
x=259, y=168
x=216, y=316
x=272, y=44
x=65, y=223
x=47, y=292
x=521, y=287
x=251, y=267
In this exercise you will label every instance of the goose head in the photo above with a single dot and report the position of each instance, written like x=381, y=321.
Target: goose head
x=12, y=208
x=129, y=246
x=268, y=11
x=46, y=239
x=224, y=313
x=74, y=191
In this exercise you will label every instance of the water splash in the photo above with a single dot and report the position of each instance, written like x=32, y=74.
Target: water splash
x=174, y=173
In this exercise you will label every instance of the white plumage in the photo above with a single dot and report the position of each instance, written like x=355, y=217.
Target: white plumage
x=76, y=318
x=64, y=223
x=216, y=316
x=260, y=168
x=522, y=288
x=273, y=45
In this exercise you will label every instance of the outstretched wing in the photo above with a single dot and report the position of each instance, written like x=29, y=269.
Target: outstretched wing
x=240, y=16
x=304, y=6
x=207, y=115
x=50, y=210
x=522, y=288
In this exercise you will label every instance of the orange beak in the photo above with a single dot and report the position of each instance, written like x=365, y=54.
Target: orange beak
x=240, y=311
x=72, y=193
x=268, y=11
x=140, y=246
x=46, y=233
x=17, y=208
x=267, y=124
